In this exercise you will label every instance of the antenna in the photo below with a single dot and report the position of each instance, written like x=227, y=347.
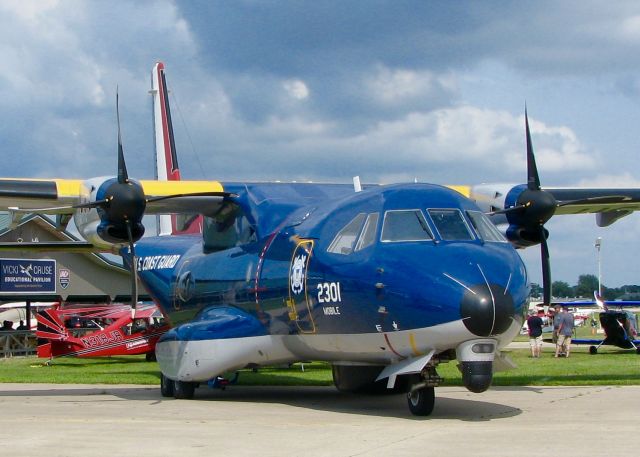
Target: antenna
x=356, y=184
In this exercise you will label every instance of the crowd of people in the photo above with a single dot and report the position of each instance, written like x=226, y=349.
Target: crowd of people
x=563, y=324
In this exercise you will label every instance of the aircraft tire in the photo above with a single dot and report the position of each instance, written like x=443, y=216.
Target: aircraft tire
x=638, y=351
x=150, y=357
x=593, y=350
x=421, y=401
x=167, y=386
x=184, y=390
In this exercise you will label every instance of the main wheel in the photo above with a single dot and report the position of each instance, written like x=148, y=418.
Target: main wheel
x=167, y=386
x=421, y=401
x=184, y=390
x=593, y=350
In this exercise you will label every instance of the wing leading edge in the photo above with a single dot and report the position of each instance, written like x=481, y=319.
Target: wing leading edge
x=59, y=196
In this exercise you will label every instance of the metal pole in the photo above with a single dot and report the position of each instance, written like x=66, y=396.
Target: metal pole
x=598, y=246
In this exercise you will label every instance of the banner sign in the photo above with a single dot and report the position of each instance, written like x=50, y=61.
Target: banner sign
x=27, y=276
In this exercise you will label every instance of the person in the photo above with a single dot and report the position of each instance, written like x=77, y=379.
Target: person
x=7, y=325
x=565, y=331
x=22, y=326
x=556, y=323
x=594, y=325
x=534, y=323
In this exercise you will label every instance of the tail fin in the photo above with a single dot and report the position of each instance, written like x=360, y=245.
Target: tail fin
x=599, y=300
x=166, y=157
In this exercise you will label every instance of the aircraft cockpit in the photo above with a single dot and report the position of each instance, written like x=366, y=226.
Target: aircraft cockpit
x=414, y=225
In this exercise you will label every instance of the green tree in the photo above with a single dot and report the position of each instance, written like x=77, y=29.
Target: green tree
x=561, y=289
x=587, y=284
x=536, y=290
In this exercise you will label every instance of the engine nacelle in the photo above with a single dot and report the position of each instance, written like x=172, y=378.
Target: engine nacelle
x=524, y=237
x=490, y=197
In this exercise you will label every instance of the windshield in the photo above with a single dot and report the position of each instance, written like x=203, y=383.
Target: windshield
x=450, y=224
x=405, y=225
x=485, y=228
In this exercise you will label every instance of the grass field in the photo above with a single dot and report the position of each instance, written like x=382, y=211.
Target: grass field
x=610, y=367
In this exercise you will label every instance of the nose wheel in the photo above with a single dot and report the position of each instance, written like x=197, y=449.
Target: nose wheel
x=421, y=401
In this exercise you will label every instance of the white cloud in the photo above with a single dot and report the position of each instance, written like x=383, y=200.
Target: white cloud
x=296, y=89
x=397, y=86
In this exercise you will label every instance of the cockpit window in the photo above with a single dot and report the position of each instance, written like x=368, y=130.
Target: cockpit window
x=450, y=224
x=345, y=240
x=405, y=225
x=485, y=228
x=368, y=236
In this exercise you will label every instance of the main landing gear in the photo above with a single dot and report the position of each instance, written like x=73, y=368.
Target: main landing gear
x=177, y=389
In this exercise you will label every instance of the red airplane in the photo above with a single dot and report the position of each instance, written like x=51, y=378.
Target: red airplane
x=116, y=331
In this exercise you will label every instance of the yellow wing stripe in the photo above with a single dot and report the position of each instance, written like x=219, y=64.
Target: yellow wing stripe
x=464, y=190
x=162, y=188
x=68, y=187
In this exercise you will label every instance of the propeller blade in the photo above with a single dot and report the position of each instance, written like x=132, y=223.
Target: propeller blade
x=509, y=210
x=123, y=176
x=546, y=268
x=194, y=194
x=134, y=272
x=597, y=200
x=533, y=180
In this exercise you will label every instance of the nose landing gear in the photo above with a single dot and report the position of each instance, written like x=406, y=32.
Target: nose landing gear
x=421, y=396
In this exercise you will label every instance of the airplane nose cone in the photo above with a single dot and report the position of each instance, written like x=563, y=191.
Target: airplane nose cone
x=487, y=309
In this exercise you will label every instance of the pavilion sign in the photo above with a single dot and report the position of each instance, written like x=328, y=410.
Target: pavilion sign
x=27, y=276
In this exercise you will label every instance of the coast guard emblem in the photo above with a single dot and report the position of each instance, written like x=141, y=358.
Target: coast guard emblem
x=298, y=271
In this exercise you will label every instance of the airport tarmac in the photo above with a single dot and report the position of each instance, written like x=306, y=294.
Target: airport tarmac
x=105, y=420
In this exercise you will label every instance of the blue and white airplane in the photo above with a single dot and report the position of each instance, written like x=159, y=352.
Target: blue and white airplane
x=384, y=282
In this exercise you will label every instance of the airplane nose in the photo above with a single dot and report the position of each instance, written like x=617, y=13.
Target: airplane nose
x=487, y=309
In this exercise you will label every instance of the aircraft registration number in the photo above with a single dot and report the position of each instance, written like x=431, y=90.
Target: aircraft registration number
x=329, y=292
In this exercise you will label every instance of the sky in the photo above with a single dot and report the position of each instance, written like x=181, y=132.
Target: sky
x=390, y=91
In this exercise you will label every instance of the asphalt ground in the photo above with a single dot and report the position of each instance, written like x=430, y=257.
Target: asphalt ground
x=105, y=420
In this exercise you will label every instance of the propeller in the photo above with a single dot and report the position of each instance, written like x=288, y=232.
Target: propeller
x=541, y=206
x=532, y=209
x=127, y=202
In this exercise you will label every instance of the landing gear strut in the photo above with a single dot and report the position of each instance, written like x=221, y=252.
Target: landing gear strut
x=421, y=397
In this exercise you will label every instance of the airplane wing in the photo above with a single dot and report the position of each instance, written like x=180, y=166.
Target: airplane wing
x=609, y=205
x=586, y=341
x=58, y=196
x=599, y=304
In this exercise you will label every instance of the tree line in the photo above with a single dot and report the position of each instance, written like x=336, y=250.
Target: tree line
x=585, y=287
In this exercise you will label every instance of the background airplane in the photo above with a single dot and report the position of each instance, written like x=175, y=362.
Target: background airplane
x=384, y=282
x=620, y=325
x=114, y=331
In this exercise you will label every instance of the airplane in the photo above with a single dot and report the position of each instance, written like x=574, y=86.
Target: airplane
x=121, y=336
x=620, y=326
x=385, y=282
x=17, y=311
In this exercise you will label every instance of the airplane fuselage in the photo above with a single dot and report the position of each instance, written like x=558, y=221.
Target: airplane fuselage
x=328, y=280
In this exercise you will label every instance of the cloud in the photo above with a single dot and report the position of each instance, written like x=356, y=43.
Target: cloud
x=296, y=89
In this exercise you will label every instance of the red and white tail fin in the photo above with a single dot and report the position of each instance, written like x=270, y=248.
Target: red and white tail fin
x=166, y=157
